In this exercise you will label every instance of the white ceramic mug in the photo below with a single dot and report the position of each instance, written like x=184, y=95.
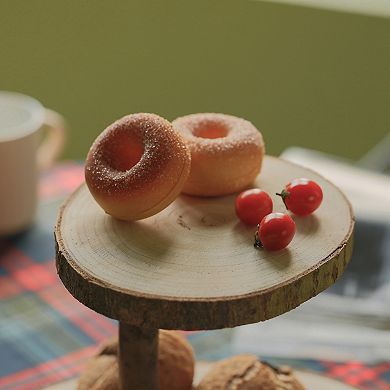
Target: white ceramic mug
x=23, y=152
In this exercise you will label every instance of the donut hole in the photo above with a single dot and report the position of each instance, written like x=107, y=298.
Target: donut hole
x=210, y=130
x=125, y=152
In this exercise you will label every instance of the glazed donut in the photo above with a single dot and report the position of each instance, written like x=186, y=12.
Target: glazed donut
x=226, y=153
x=137, y=166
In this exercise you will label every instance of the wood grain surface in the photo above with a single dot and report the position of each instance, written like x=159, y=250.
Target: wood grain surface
x=193, y=265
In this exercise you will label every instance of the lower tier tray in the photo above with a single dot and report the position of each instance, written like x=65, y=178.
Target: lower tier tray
x=310, y=380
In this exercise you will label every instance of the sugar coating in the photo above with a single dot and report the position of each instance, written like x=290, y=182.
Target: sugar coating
x=161, y=146
x=240, y=132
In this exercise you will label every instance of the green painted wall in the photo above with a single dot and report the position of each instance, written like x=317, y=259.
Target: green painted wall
x=305, y=77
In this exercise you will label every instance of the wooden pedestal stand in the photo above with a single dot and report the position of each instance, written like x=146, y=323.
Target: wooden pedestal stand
x=193, y=266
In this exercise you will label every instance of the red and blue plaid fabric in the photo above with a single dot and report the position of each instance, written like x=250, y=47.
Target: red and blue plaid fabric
x=46, y=335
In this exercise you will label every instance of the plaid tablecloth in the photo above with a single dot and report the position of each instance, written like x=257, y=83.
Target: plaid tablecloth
x=46, y=335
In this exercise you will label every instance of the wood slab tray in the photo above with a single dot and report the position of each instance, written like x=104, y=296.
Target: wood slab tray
x=193, y=265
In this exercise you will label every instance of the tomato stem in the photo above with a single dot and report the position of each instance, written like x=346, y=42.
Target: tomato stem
x=258, y=244
x=284, y=194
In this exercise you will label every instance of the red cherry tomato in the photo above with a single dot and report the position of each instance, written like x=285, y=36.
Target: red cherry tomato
x=253, y=205
x=302, y=196
x=275, y=231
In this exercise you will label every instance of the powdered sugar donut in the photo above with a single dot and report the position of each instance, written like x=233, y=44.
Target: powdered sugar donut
x=226, y=153
x=137, y=166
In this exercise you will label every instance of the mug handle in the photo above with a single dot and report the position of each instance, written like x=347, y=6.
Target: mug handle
x=54, y=141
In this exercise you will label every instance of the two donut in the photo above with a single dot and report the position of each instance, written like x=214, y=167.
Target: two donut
x=138, y=165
